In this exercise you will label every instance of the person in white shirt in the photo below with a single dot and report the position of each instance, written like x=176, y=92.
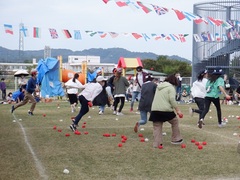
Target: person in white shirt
x=72, y=86
x=22, y=82
x=86, y=97
x=198, y=92
x=137, y=85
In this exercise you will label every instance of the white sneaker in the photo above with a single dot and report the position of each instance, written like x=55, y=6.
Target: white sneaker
x=114, y=112
x=100, y=113
x=119, y=114
x=222, y=125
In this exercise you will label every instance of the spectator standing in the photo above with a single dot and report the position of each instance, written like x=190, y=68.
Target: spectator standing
x=28, y=96
x=214, y=86
x=22, y=82
x=140, y=79
x=162, y=110
x=3, y=88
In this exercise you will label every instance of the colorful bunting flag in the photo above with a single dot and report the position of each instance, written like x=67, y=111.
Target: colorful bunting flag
x=197, y=38
x=91, y=33
x=77, y=34
x=113, y=34
x=144, y=8
x=145, y=36
x=102, y=34
x=160, y=10
x=131, y=4
x=182, y=37
x=120, y=3
x=136, y=35
x=36, y=32
x=53, y=33
x=66, y=33
x=179, y=14
x=8, y=29
x=156, y=37
x=24, y=31
x=106, y=1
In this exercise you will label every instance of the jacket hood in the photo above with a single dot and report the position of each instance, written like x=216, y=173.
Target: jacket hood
x=164, y=85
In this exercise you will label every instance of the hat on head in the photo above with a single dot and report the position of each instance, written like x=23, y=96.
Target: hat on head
x=101, y=78
x=34, y=72
x=149, y=77
x=203, y=72
x=2, y=79
x=114, y=70
x=119, y=70
x=217, y=71
x=139, y=68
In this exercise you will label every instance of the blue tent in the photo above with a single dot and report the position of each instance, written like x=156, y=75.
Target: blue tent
x=48, y=78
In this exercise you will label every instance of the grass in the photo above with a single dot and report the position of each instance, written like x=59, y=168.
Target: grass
x=32, y=149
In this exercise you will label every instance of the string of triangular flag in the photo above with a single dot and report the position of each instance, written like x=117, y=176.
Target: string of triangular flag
x=181, y=15
x=77, y=35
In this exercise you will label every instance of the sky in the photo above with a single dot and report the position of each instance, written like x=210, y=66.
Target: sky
x=95, y=15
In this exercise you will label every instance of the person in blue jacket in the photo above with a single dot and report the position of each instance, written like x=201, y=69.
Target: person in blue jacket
x=30, y=89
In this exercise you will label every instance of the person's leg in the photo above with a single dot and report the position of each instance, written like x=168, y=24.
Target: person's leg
x=23, y=102
x=207, y=103
x=216, y=102
x=4, y=94
x=176, y=136
x=157, y=134
x=122, y=99
x=134, y=95
x=143, y=120
x=200, y=103
x=115, y=104
x=84, y=109
x=33, y=102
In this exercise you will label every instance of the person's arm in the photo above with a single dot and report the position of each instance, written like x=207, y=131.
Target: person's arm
x=224, y=92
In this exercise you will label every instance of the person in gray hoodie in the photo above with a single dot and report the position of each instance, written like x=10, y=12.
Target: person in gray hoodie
x=164, y=108
x=120, y=86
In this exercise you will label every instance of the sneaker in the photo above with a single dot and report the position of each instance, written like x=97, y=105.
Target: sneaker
x=100, y=112
x=119, y=114
x=191, y=111
x=136, y=128
x=114, y=112
x=73, y=127
x=200, y=123
x=222, y=125
x=30, y=113
x=12, y=109
x=177, y=142
x=131, y=109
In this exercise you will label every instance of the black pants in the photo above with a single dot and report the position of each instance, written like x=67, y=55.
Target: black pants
x=216, y=102
x=84, y=109
x=4, y=94
x=116, y=101
x=200, y=104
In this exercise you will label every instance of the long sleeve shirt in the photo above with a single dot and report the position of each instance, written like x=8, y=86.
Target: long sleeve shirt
x=91, y=91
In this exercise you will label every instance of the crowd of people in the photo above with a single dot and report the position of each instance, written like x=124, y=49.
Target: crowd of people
x=157, y=101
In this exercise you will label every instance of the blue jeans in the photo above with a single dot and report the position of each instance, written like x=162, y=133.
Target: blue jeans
x=143, y=115
x=102, y=108
x=135, y=95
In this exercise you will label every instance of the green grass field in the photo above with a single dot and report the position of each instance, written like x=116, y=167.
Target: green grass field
x=32, y=149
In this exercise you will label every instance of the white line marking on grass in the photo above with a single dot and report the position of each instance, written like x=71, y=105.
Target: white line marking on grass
x=39, y=166
x=209, y=132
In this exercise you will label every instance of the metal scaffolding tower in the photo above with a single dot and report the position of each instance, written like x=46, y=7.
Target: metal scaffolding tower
x=21, y=42
x=221, y=45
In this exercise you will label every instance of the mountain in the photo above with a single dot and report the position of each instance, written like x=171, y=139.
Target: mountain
x=110, y=55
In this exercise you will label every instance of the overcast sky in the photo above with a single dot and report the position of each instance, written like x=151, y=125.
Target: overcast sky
x=95, y=15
